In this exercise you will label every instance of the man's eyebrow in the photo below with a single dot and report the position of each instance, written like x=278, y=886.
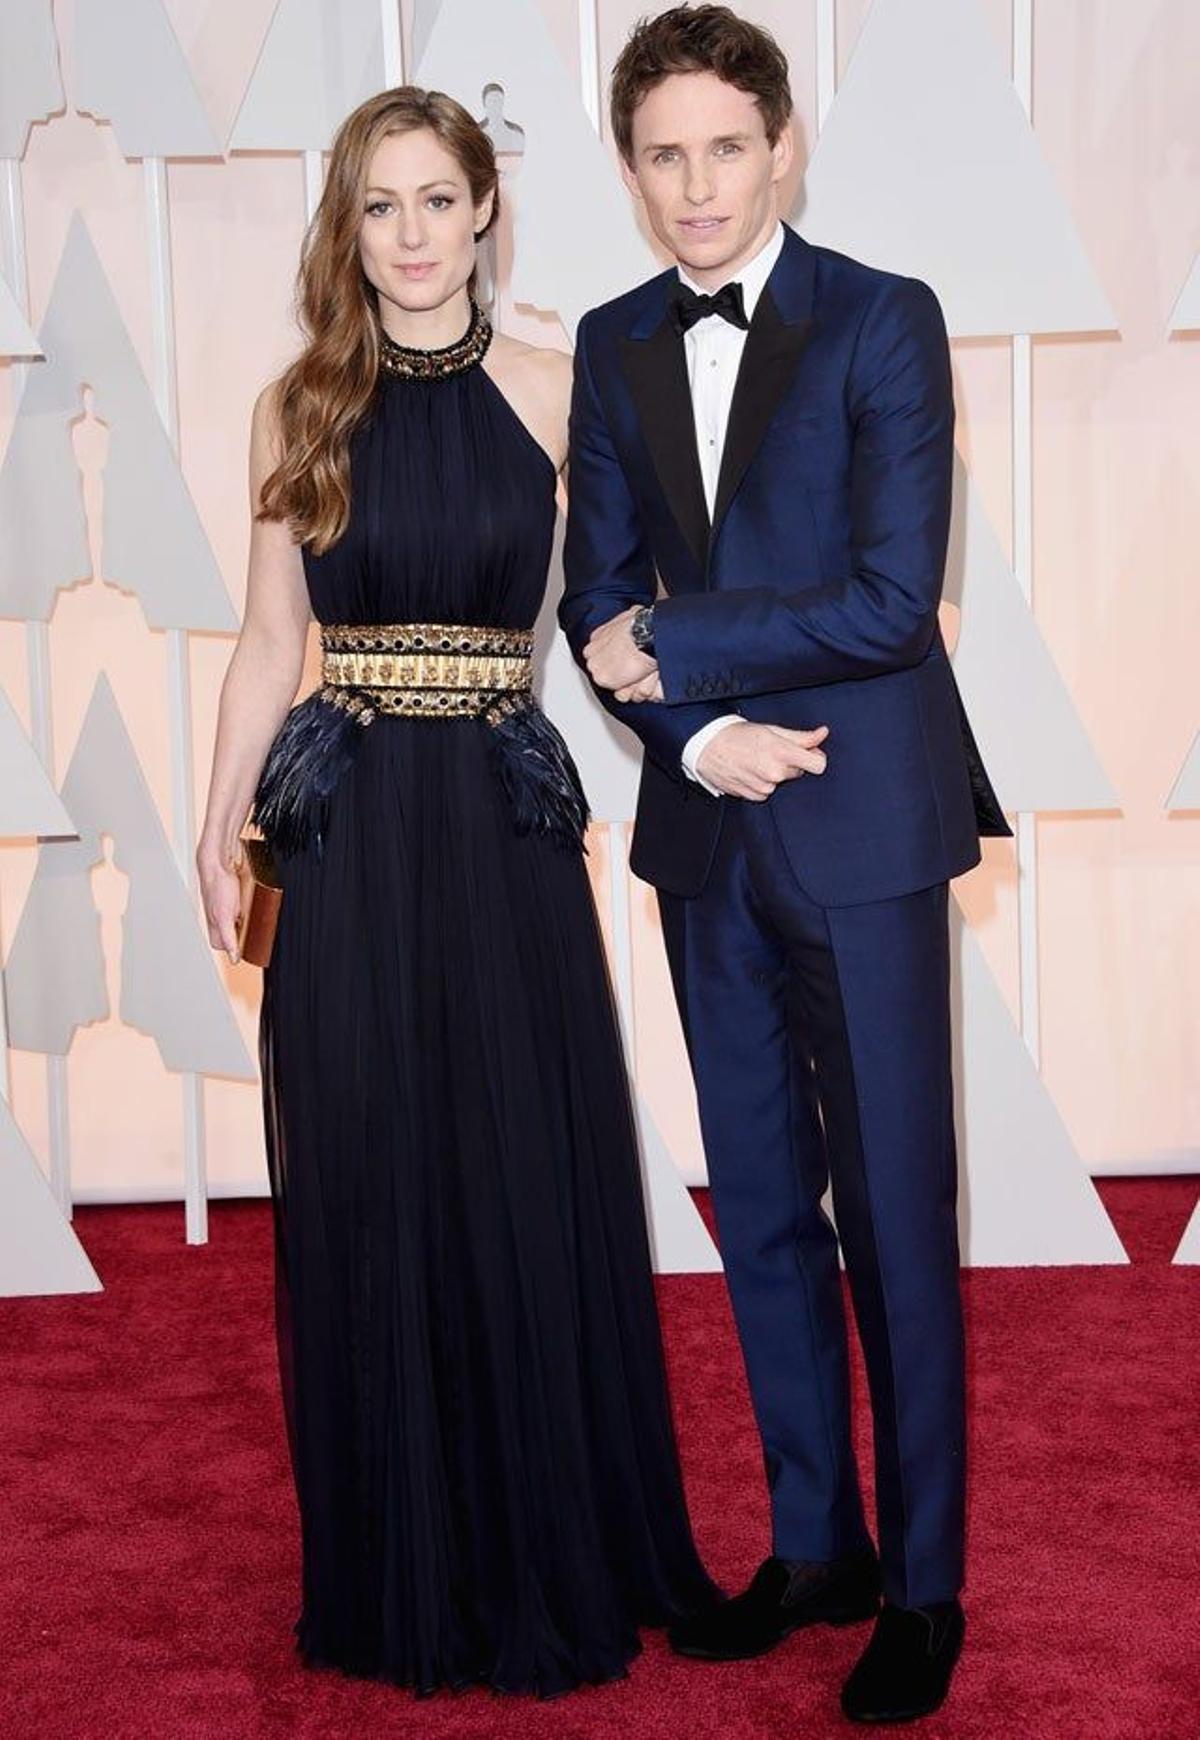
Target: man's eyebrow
x=721, y=139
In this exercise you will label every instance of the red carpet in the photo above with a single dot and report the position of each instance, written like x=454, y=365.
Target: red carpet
x=148, y=1561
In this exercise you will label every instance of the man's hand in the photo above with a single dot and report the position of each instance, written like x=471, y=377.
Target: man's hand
x=749, y=761
x=612, y=660
x=649, y=689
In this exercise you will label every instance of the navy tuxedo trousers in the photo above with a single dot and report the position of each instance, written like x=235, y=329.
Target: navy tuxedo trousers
x=820, y=1044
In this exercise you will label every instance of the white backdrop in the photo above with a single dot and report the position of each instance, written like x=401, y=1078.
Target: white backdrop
x=149, y=201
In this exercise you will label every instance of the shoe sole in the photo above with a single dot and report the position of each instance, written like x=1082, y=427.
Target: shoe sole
x=897, y=1716
x=699, y=1653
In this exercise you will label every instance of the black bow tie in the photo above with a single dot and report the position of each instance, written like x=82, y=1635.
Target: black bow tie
x=687, y=307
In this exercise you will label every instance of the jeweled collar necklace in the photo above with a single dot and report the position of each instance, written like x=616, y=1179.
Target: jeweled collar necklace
x=431, y=365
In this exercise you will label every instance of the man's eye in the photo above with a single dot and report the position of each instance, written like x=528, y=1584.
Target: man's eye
x=663, y=156
x=729, y=148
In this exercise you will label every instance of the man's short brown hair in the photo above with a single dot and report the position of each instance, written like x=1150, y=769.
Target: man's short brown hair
x=691, y=39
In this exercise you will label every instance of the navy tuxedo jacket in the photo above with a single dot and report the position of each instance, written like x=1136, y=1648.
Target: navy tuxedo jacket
x=811, y=599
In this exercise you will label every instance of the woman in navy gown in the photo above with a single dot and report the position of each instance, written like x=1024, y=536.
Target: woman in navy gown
x=487, y=1476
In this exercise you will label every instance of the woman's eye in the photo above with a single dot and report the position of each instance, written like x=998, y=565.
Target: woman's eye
x=376, y=207
x=440, y=201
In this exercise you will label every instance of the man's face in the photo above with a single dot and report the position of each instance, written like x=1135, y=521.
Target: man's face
x=706, y=173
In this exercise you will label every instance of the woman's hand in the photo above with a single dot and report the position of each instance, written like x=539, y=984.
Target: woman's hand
x=260, y=683
x=649, y=689
x=221, y=891
x=612, y=659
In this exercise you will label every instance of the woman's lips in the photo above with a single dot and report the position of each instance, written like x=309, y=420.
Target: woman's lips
x=418, y=271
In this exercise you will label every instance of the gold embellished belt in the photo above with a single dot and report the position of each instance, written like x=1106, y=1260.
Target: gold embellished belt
x=418, y=670
x=423, y=670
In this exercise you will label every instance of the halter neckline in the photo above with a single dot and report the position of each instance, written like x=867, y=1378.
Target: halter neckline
x=412, y=363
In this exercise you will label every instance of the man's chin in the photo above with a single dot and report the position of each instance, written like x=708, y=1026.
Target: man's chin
x=705, y=247
x=723, y=250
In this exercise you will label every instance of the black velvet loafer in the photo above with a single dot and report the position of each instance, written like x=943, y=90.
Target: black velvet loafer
x=905, y=1670
x=784, y=1595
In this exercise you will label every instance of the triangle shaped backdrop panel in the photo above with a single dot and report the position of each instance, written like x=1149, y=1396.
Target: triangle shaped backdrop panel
x=29, y=803
x=54, y=976
x=424, y=16
x=129, y=69
x=1025, y=1196
x=30, y=82
x=1185, y=793
x=319, y=60
x=576, y=241
x=39, y=1252
x=927, y=165
x=16, y=335
x=1189, y=1244
x=1030, y=736
x=154, y=544
x=1185, y=316
x=170, y=986
x=680, y=1243
x=608, y=756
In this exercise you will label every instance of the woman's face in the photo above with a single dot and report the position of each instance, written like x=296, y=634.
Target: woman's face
x=417, y=234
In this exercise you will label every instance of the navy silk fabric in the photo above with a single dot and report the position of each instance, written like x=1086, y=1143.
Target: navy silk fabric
x=824, y=568
x=486, y=1472
x=807, y=935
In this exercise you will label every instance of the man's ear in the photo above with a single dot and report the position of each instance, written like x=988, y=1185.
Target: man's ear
x=629, y=178
x=783, y=151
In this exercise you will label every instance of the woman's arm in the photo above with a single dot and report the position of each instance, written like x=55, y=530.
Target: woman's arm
x=260, y=685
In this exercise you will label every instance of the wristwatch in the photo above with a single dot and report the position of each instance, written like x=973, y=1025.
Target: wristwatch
x=641, y=630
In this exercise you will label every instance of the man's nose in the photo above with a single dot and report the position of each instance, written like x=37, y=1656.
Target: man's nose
x=698, y=184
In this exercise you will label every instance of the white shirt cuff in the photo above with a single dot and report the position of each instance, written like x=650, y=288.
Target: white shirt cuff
x=696, y=744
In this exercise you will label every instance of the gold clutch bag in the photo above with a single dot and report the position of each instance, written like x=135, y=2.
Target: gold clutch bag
x=262, y=894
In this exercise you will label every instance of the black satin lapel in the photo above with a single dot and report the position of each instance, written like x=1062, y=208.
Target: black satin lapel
x=768, y=366
x=655, y=369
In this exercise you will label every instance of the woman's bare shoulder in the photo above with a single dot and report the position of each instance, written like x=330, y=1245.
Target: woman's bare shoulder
x=532, y=359
x=537, y=374
x=537, y=382
x=266, y=444
x=264, y=418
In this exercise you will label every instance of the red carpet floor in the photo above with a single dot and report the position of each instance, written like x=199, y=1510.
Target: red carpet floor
x=148, y=1557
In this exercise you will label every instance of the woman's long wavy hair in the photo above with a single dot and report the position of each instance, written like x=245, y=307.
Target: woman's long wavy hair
x=325, y=393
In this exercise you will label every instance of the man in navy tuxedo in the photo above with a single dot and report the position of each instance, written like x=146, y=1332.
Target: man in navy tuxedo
x=759, y=479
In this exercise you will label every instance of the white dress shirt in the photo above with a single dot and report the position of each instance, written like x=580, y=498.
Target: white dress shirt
x=714, y=352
